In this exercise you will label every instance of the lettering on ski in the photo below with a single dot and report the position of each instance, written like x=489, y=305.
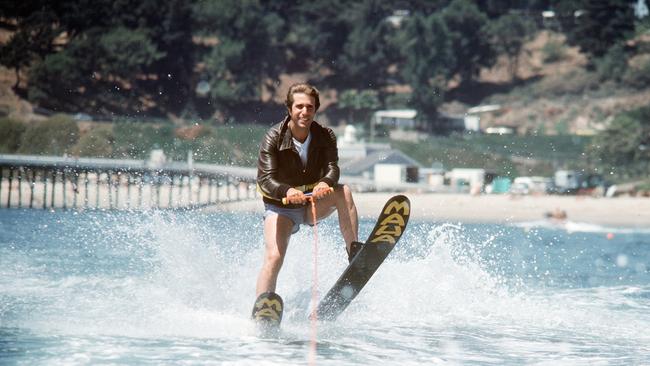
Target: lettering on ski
x=390, y=226
x=268, y=309
x=267, y=313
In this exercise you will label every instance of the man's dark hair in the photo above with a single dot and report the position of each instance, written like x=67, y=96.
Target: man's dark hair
x=305, y=89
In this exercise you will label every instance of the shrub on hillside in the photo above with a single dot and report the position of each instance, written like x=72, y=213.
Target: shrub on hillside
x=54, y=136
x=622, y=148
x=12, y=132
x=574, y=82
x=638, y=76
x=229, y=145
x=553, y=51
x=613, y=65
x=135, y=140
x=97, y=143
x=398, y=101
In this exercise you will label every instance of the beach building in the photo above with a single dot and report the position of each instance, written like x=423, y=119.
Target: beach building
x=400, y=124
x=434, y=176
x=404, y=124
x=531, y=185
x=366, y=167
x=352, y=148
x=473, y=120
x=374, y=165
x=567, y=181
x=469, y=180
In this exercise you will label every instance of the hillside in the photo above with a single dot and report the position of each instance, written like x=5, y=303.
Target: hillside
x=552, y=93
x=553, y=97
x=546, y=102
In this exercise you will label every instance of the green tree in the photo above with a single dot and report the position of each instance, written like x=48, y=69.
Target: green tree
x=247, y=56
x=427, y=63
x=602, y=24
x=509, y=33
x=16, y=55
x=33, y=32
x=624, y=146
x=553, y=51
x=468, y=31
x=32, y=37
x=316, y=32
x=98, y=142
x=97, y=71
x=12, y=132
x=105, y=56
x=638, y=76
x=358, y=101
x=135, y=140
x=613, y=65
x=54, y=136
x=367, y=52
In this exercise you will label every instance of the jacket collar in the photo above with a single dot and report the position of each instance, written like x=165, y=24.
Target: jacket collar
x=286, y=142
x=287, y=138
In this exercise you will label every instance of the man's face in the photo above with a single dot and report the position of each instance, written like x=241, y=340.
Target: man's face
x=303, y=110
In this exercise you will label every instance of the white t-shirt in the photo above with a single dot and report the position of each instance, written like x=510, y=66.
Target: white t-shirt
x=303, y=148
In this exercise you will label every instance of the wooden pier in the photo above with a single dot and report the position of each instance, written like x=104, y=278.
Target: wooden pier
x=49, y=182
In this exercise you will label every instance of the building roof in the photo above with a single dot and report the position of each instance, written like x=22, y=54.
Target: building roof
x=484, y=108
x=397, y=113
x=357, y=167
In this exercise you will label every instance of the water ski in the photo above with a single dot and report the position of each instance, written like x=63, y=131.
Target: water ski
x=267, y=312
x=387, y=232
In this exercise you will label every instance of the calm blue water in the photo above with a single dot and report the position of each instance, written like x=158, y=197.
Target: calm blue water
x=177, y=288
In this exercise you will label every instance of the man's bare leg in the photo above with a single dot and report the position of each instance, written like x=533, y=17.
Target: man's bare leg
x=277, y=231
x=341, y=201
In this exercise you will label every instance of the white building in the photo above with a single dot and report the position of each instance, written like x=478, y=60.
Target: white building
x=365, y=167
x=352, y=148
x=472, y=180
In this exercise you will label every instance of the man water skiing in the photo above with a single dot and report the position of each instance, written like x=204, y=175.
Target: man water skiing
x=298, y=156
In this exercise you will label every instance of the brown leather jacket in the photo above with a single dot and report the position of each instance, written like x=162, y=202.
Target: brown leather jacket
x=279, y=166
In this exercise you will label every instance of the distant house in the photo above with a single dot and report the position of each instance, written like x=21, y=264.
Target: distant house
x=568, y=181
x=448, y=123
x=471, y=180
x=475, y=113
x=366, y=167
x=398, y=118
x=403, y=124
x=500, y=130
x=352, y=148
x=402, y=120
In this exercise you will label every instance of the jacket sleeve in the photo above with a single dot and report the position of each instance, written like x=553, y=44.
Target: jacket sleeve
x=267, y=168
x=332, y=171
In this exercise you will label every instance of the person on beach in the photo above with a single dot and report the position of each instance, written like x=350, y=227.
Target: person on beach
x=299, y=156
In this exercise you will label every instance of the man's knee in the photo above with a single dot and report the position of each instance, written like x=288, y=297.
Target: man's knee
x=344, y=192
x=273, y=260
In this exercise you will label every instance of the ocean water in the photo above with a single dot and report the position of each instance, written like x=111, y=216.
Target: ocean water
x=100, y=287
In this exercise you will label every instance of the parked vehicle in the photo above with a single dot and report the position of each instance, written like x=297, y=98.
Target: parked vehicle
x=531, y=185
x=567, y=181
x=575, y=182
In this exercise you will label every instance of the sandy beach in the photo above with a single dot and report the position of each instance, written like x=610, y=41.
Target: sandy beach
x=441, y=207
x=620, y=211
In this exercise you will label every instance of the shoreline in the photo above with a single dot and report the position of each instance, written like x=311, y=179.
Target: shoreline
x=495, y=209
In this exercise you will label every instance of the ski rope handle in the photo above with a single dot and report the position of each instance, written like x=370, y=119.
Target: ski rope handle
x=285, y=201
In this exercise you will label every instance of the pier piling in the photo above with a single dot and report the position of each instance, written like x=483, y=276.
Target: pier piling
x=50, y=182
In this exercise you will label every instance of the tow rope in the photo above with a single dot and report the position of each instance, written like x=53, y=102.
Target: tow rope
x=314, y=290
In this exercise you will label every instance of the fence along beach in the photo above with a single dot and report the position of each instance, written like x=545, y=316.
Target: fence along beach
x=50, y=182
